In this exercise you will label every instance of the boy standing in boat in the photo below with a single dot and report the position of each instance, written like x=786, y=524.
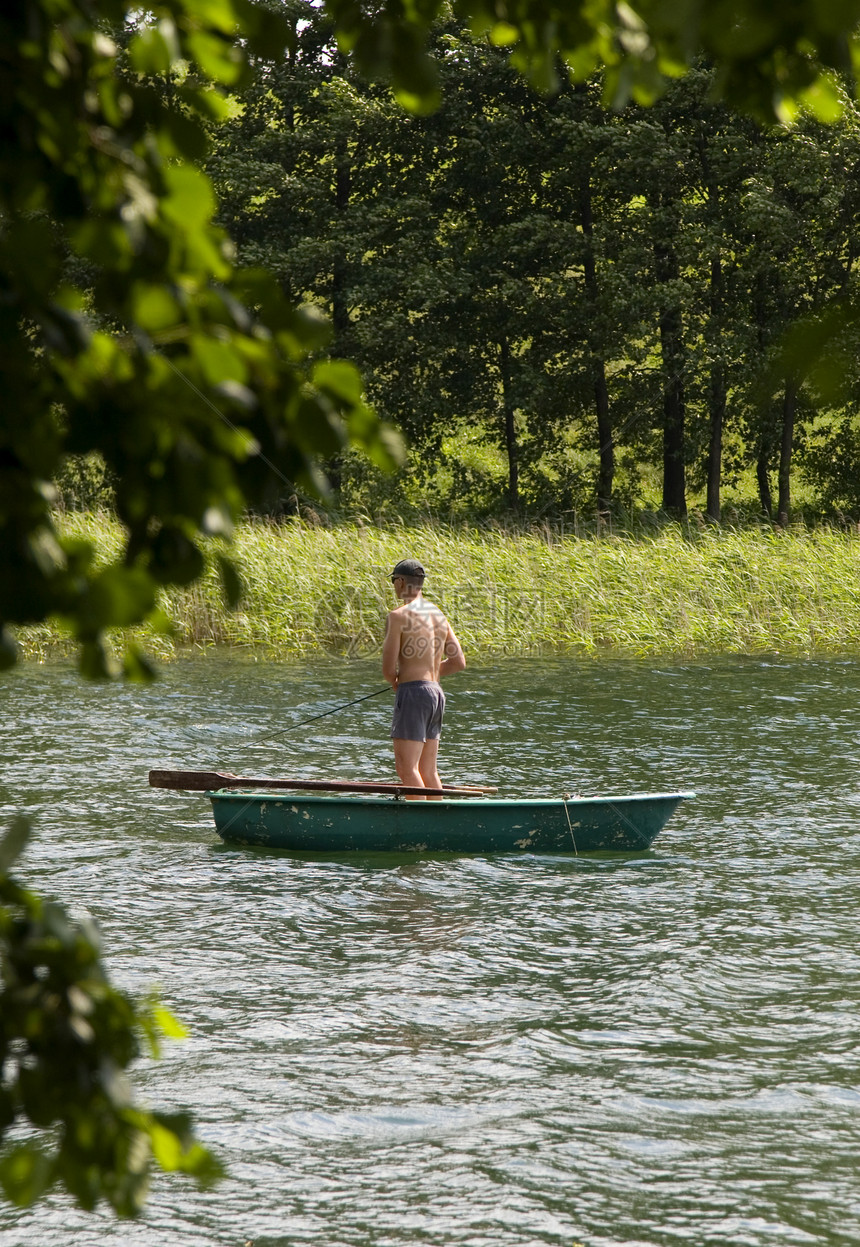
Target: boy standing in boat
x=420, y=648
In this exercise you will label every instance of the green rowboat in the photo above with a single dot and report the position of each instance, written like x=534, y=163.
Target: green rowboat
x=374, y=823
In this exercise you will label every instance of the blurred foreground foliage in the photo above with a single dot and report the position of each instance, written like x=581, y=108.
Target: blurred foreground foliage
x=126, y=331
x=770, y=59
x=128, y=338
x=67, y=1118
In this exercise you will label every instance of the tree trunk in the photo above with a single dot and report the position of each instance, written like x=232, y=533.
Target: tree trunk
x=762, y=467
x=761, y=472
x=716, y=399
x=339, y=284
x=717, y=404
x=789, y=412
x=672, y=350
x=606, y=475
x=717, y=369
x=605, y=439
x=509, y=426
x=339, y=300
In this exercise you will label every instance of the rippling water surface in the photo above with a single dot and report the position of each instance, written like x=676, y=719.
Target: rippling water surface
x=508, y=1051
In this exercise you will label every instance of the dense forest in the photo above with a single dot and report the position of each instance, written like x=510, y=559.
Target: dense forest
x=563, y=305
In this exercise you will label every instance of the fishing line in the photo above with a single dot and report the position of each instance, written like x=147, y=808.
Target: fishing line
x=630, y=824
x=218, y=412
x=286, y=731
x=252, y=740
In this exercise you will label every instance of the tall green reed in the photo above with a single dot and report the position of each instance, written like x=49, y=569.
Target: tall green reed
x=668, y=590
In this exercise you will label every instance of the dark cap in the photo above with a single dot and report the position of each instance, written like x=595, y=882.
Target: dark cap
x=408, y=567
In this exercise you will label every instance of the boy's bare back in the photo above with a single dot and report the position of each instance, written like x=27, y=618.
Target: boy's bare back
x=420, y=632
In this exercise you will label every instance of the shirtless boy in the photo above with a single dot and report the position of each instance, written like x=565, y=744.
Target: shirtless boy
x=420, y=648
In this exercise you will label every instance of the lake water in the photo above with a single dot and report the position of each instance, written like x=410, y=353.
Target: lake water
x=509, y=1051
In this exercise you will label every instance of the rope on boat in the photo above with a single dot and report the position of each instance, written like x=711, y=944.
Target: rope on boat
x=565, y=797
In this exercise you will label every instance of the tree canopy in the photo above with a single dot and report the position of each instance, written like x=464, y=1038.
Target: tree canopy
x=555, y=301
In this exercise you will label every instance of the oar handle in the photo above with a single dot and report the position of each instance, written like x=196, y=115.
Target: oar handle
x=206, y=781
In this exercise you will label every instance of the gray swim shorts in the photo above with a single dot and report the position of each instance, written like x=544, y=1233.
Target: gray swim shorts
x=418, y=709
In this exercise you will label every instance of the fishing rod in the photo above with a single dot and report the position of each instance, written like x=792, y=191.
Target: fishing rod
x=286, y=731
x=386, y=688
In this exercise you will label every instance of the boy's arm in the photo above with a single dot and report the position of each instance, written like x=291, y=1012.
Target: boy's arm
x=391, y=647
x=454, y=659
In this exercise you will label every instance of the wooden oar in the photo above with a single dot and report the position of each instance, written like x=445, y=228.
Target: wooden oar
x=204, y=781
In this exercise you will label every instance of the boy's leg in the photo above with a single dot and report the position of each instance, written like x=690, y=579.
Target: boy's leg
x=428, y=766
x=407, y=756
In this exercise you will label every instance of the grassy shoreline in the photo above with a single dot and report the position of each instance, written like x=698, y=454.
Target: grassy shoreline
x=676, y=591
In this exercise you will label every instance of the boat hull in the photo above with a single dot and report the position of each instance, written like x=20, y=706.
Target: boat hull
x=384, y=824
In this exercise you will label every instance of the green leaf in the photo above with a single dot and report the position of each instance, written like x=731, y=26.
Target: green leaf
x=309, y=330
x=166, y=1147
x=168, y=1024
x=13, y=843
x=221, y=59
x=339, y=379
x=218, y=360
x=8, y=1109
x=270, y=34
x=116, y=597
x=155, y=48
x=824, y=99
x=94, y=662
x=222, y=15
x=415, y=77
x=420, y=104
x=190, y=202
x=231, y=583
x=175, y=1149
x=175, y=557
x=136, y=667
x=153, y=307
x=25, y=1174
x=8, y=649
x=503, y=34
